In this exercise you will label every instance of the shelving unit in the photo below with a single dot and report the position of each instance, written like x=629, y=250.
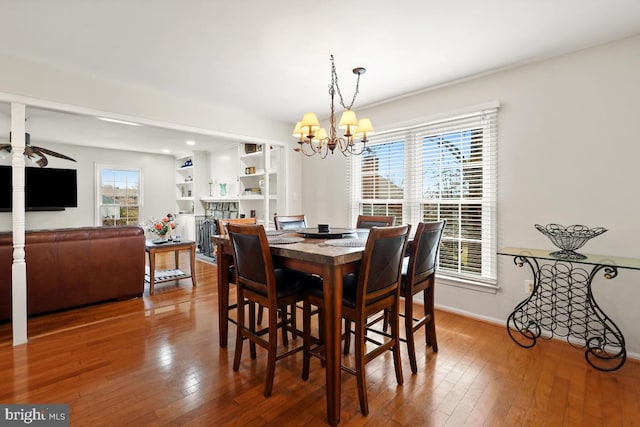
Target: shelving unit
x=191, y=182
x=185, y=185
x=258, y=184
x=258, y=189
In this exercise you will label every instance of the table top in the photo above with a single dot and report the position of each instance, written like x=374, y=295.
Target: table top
x=312, y=250
x=606, y=260
x=149, y=244
x=332, y=233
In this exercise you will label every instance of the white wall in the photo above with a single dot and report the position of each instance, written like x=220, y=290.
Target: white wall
x=568, y=153
x=158, y=185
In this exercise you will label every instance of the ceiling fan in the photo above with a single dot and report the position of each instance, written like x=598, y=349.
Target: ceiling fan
x=33, y=153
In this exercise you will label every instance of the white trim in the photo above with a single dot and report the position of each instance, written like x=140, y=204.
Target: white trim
x=84, y=111
x=432, y=118
x=466, y=284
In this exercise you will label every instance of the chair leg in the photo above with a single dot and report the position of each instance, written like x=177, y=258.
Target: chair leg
x=285, y=323
x=239, y=333
x=385, y=320
x=260, y=314
x=395, y=332
x=431, y=326
x=252, y=327
x=294, y=322
x=360, y=371
x=306, y=338
x=347, y=336
x=408, y=328
x=273, y=348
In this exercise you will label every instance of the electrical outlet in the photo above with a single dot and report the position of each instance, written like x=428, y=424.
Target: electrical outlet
x=528, y=287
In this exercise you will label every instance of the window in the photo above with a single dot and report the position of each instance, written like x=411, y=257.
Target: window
x=444, y=169
x=119, y=196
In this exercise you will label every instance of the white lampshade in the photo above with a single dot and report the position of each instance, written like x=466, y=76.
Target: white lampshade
x=321, y=134
x=297, y=131
x=310, y=119
x=348, y=119
x=364, y=125
x=364, y=128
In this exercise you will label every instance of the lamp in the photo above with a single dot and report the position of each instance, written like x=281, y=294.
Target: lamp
x=313, y=139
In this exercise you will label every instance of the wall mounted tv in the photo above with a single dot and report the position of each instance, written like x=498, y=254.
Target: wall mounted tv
x=46, y=189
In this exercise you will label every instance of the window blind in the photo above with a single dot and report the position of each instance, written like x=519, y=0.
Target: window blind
x=444, y=169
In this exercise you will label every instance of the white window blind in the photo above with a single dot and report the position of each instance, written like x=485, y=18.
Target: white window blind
x=444, y=169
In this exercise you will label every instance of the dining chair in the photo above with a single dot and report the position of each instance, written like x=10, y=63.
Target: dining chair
x=418, y=275
x=368, y=221
x=222, y=223
x=258, y=282
x=290, y=222
x=365, y=221
x=221, y=226
x=375, y=287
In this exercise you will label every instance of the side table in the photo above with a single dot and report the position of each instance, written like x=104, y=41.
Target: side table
x=562, y=304
x=167, y=275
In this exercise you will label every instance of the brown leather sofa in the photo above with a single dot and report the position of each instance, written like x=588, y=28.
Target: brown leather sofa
x=73, y=267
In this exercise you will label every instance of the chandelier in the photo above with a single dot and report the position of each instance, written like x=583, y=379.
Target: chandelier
x=314, y=140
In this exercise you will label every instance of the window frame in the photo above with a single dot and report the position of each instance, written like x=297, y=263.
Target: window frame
x=99, y=168
x=413, y=137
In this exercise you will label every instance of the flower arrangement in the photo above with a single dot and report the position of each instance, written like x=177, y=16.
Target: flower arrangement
x=162, y=227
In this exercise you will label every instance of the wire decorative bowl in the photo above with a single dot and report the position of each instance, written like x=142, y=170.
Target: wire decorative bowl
x=569, y=239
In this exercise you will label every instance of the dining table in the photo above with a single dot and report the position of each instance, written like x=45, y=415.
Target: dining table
x=327, y=258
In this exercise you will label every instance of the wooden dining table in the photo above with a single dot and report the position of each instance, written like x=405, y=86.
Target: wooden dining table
x=310, y=256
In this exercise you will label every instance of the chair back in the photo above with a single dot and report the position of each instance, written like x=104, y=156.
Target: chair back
x=290, y=222
x=222, y=223
x=252, y=259
x=381, y=267
x=368, y=221
x=423, y=254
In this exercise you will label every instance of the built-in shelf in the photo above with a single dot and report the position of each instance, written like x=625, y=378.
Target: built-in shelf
x=258, y=197
x=218, y=199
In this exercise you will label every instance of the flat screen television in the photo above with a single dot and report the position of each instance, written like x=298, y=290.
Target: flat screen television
x=46, y=189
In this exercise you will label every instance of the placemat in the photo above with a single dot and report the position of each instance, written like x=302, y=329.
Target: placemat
x=273, y=232
x=281, y=240
x=349, y=243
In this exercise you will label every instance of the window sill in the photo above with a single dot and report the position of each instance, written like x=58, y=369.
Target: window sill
x=466, y=284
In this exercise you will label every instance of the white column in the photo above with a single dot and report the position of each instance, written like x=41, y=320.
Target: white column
x=266, y=158
x=19, y=267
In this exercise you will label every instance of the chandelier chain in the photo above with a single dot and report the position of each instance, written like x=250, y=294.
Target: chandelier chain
x=334, y=81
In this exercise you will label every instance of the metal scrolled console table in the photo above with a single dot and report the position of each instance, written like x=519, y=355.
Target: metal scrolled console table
x=562, y=304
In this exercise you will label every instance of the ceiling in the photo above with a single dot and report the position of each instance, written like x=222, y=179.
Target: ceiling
x=255, y=55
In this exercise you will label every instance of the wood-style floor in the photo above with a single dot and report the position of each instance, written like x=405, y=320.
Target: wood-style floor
x=156, y=361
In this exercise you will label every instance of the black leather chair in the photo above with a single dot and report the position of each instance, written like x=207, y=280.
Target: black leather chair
x=258, y=282
x=418, y=275
x=368, y=221
x=290, y=222
x=373, y=289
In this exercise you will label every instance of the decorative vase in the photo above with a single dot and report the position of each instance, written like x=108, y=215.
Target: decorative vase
x=223, y=190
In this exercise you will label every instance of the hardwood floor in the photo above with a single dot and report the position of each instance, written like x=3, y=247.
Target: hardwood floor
x=156, y=361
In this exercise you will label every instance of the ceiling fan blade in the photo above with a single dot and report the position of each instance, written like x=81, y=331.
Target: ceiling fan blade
x=52, y=153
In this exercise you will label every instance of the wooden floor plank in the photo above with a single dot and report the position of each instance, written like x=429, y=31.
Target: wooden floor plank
x=155, y=361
